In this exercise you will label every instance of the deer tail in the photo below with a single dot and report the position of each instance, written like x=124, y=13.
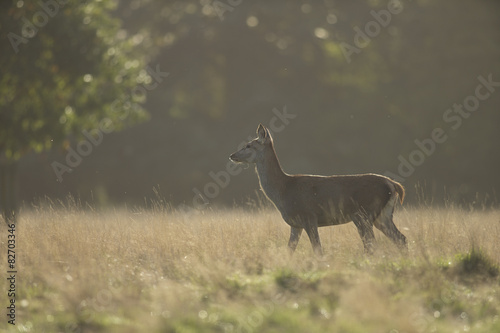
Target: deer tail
x=400, y=190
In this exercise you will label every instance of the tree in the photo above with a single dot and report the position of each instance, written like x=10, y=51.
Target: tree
x=68, y=71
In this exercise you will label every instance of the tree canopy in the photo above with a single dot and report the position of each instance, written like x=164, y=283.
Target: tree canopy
x=68, y=67
x=370, y=83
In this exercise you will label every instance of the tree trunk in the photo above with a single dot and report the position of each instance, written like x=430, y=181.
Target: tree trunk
x=8, y=195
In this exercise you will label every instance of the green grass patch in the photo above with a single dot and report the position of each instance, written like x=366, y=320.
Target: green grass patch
x=476, y=263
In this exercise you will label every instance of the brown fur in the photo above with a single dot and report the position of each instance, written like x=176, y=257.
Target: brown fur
x=307, y=202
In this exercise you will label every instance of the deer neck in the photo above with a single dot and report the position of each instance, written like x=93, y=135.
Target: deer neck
x=271, y=177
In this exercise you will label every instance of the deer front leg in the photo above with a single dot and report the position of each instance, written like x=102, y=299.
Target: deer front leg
x=312, y=232
x=294, y=238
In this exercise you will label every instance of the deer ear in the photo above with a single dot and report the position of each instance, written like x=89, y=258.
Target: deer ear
x=262, y=134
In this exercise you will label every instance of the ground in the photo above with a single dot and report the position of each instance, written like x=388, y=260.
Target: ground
x=162, y=270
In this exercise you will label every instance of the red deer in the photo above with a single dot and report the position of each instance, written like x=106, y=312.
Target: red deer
x=307, y=202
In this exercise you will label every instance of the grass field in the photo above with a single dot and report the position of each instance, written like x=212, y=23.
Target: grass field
x=229, y=271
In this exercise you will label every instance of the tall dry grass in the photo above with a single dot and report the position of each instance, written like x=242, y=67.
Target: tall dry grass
x=164, y=270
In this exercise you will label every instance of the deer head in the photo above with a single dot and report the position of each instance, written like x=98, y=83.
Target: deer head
x=253, y=151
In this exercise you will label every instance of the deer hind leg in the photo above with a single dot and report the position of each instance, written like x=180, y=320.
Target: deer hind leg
x=385, y=224
x=294, y=238
x=388, y=228
x=365, y=230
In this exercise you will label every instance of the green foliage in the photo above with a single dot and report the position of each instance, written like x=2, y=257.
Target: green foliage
x=230, y=69
x=287, y=279
x=70, y=72
x=476, y=263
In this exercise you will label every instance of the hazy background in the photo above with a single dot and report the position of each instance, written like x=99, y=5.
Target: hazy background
x=231, y=63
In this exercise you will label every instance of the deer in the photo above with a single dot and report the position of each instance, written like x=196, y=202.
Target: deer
x=307, y=202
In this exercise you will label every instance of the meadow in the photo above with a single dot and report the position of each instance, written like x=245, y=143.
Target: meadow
x=228, y=270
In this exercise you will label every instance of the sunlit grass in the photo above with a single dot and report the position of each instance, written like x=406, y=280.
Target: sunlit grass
x=164, y=270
